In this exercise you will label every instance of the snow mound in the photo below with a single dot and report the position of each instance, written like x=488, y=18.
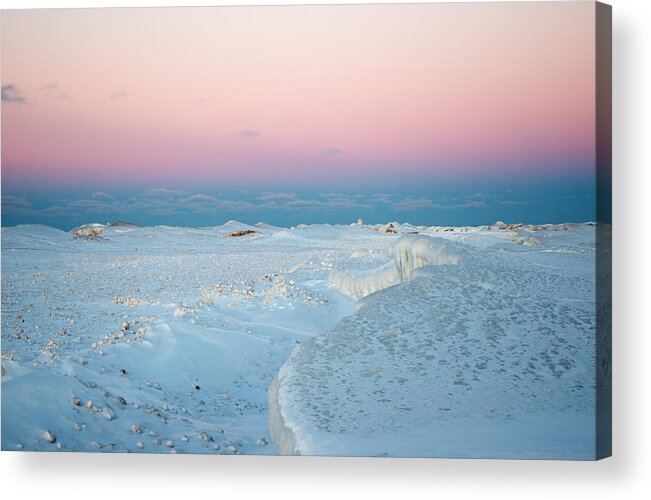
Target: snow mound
x=92, y=225
x=233, y=226
x=408, y=253
x=33, y=236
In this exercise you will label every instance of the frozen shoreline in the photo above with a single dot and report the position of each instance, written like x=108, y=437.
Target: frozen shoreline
x=478, y=354
x=204, y=309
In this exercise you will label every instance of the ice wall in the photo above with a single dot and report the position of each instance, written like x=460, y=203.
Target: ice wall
x=408, y=253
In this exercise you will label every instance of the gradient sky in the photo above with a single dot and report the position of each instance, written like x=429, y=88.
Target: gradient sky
x=441, y=113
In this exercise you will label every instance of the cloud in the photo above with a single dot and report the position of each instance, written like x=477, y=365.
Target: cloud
x=160, y=212
x=81, y=207
x=164, y=192
x=237, y=206
x=118, y=95
x=100, y=195
x=94, y=207
x=381, y=198
x=103, y=203
x=277, y=197
x=164, y=202
x=332, y=204
x=333, y=152
x=55, y=210
x=249, y=134
x=469, y=204
x=412, y=203
x=207, y=203
x=268, y=201
x=199, y=199
x=11, y=93
x=510, y=203
x=50, y=87
x=53, y=90
x=14, y=201
x=154, y=206
x=16, y=205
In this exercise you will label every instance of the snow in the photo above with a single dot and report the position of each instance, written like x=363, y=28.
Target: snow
x=313, y=340
x=493, y=356
x=210, y=317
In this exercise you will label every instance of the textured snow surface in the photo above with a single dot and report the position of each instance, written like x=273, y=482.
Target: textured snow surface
x=171, y=340
x=491, y=357
x=210, y=319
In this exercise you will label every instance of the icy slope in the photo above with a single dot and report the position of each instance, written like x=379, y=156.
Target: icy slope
x=491, y=357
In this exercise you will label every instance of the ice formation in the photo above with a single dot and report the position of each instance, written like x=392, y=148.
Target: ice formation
x=491, y=357
x=408, y=253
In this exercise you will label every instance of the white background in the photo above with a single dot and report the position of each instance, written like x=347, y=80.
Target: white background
x=626, y=475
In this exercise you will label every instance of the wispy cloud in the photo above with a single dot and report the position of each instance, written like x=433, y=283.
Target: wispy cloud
x=8, y=200
x=277, y=197
x=381, y=198
x=15, y=205
x=53, y=91
x=94, y=206
x=103, y=204
x=164, y=192
x=510, y=203
x=249, y=134
x=100, y=195
x=11, y=93
x=269, y=201
x=206, y=203
x=118, y=95
x=151, y=206
x=331, y=204
x=468, y=204
x=333, y=152
x=237, y=206
x=199, y=199
x=412, y=203
x=50, y=87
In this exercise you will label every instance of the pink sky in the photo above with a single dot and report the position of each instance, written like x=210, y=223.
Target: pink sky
x=167, y=93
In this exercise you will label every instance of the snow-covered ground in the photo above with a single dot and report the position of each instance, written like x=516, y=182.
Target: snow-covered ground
x=344, y=340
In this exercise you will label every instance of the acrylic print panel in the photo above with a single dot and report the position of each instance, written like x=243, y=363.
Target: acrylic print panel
x=372, y=230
